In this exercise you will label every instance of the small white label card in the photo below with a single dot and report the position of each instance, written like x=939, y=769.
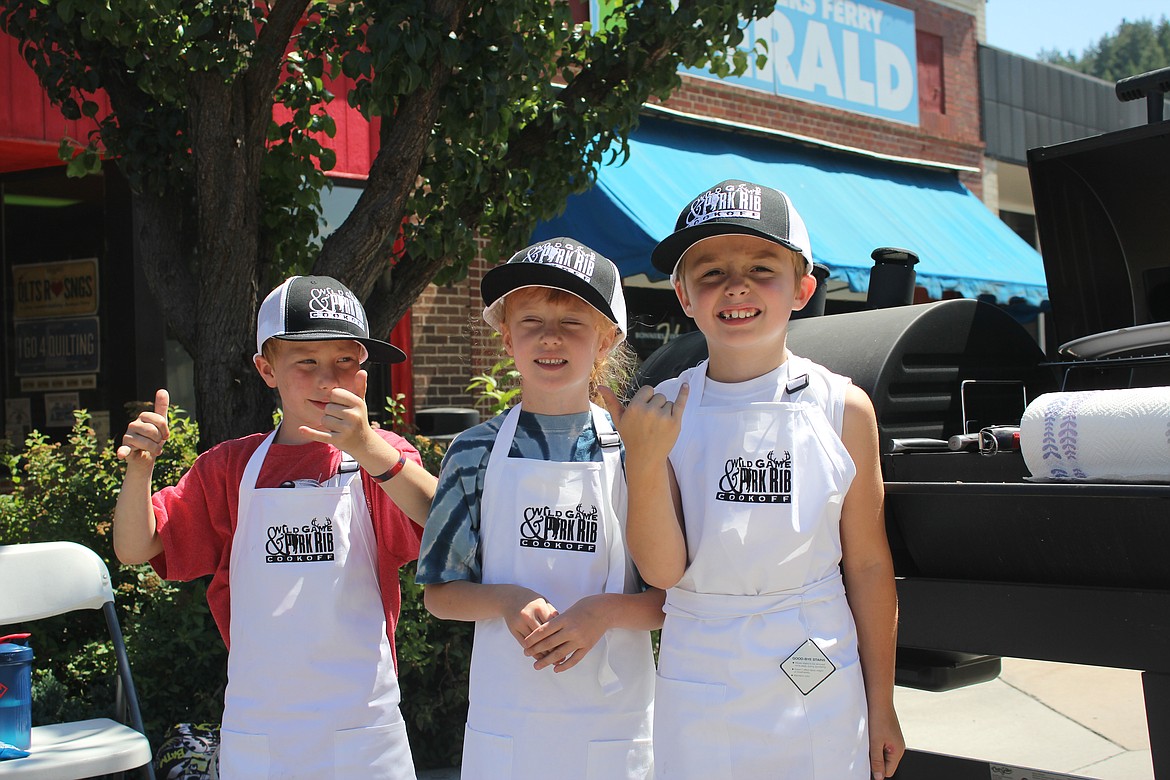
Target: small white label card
x=808, y=667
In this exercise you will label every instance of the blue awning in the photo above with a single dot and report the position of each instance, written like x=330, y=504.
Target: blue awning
x=851, y=204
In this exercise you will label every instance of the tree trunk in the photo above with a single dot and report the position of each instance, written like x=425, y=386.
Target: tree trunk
x=358, y=252
x=233, y=399
x=388, y=303
x=228, y=147
x=215, y=327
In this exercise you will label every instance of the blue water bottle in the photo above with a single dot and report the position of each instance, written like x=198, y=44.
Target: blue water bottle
x=16, y=690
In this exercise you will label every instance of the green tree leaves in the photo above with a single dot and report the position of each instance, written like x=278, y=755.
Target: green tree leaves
x=489, y=114
x=1135, y=47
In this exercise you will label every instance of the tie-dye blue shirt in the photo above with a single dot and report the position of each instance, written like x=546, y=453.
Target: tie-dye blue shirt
x=450, y=542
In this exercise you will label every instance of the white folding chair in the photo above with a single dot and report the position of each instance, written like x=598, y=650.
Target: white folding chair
x=50, y=578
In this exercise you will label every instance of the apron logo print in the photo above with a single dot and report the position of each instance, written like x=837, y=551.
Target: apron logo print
x=761, y=481
x=569, y=529
x=300, y=544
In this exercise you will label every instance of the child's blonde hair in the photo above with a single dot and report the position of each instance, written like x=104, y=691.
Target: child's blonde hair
x=615, y=368
x=271, y=349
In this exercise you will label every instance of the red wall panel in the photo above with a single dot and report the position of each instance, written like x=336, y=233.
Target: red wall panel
x=31, y=127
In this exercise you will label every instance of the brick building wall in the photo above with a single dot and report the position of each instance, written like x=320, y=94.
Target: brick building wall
x=451, y=344
x=950, y=135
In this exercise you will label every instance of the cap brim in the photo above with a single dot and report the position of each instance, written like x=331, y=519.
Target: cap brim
x=504, y=279
x=671, y=249
x=381, y=352
x=376, y=351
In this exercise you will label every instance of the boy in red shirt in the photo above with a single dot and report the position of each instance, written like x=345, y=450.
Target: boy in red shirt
x=303, y=530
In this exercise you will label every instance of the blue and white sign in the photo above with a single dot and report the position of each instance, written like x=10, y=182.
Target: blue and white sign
x=68, y=346
x=856, y=55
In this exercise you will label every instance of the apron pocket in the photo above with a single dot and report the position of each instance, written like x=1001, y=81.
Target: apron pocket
x=242, y=755
x=619, y=759
x=690, y=730
x=371, y=752
x=485, y=756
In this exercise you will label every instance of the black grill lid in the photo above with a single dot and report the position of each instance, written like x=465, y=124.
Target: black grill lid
x=1102, y=219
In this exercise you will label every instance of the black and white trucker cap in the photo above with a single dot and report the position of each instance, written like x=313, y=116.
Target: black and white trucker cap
x=319, y=308
x=563, y=264
x=735, y=207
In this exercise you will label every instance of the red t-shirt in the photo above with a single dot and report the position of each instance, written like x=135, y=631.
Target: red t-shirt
x=196, y=519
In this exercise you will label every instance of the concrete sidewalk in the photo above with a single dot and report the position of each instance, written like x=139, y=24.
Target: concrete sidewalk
x=1079, y=720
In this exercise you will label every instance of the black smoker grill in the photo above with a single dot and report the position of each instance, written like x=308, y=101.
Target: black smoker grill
x=988, y=564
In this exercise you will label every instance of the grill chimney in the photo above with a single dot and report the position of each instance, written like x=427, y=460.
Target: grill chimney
x=891, y=281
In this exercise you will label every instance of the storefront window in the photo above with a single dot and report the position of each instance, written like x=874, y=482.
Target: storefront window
x=53, y=250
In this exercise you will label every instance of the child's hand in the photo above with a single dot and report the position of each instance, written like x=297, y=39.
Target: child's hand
x=345, y=421
x=612, y=403
x=886, y=743
x=145, y=436
x=650, y=424
x=563, y=641
x=528, y=612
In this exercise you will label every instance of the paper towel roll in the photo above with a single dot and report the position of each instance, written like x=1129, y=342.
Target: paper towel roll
x=1098, y=436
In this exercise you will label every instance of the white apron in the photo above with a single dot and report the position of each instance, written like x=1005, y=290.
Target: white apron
x=758, y=671
x=312, y=691
x=557, y=529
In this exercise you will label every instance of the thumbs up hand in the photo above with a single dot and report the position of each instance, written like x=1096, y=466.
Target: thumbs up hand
x=145, y=436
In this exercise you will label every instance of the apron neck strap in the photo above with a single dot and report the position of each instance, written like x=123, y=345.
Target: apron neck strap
x=607, y=437
x=795, y=383
x=792, y=384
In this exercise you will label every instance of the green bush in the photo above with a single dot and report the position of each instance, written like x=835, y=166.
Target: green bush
x=67, y=491
x=497, y=387
x=434, y=656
